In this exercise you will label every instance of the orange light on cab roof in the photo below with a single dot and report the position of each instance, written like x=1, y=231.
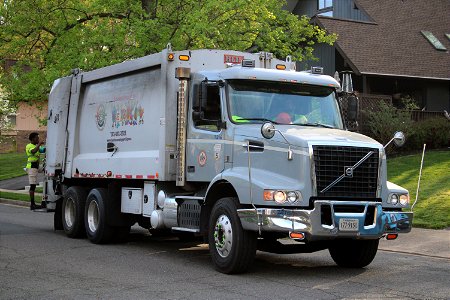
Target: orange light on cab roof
x=281, y=67
x=170, y=57
x=184, y=57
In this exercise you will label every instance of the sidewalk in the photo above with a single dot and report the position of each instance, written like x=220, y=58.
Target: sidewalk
x=420, y=241
x=429, y=242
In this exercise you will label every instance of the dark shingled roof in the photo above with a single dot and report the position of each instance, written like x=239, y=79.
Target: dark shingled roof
x=393, y=43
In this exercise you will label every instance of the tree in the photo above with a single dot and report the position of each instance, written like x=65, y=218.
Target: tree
x=6, y=110
x=48, y=38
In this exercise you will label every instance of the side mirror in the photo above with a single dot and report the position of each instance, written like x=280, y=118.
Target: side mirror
x=268, y=130
x=352, y=108
x=198, y=115
x=399, y=139
x=200, y=95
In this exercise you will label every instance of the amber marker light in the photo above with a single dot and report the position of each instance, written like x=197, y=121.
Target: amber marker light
x=268, y=195
x=184, y=57
x=170, y=57
x=281, y=67
x=391, y=236
x=296, y=235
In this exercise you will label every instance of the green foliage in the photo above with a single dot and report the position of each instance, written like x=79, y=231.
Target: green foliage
x=384, y=122
x=433, y=206
x=6, y=109
x=51, y=37
x=434, y=132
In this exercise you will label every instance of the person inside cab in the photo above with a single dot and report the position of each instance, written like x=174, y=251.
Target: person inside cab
x=290, y=112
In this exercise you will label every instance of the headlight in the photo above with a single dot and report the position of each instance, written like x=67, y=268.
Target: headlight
x=393, y=199
x=279, y=197
x=292, y=197
x=404, y=199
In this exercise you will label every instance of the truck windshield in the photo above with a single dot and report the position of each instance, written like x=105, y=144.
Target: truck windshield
x=252, y=101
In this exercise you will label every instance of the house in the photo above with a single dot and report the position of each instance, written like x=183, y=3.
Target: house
x=397, y=48
x=28, y=118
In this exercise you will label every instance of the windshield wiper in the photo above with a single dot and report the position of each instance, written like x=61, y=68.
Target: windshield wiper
x=256, y=119
x=315, y=124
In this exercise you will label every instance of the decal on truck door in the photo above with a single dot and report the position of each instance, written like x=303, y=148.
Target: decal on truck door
x=202, y=158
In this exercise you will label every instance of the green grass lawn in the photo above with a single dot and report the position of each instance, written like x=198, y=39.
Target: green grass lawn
x=12, y=164
x=433, y=206
x=20, y=196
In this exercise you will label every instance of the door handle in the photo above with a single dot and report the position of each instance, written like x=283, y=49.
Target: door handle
x=254, y=146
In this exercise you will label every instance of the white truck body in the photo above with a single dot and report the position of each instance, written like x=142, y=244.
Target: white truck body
x=176, y=140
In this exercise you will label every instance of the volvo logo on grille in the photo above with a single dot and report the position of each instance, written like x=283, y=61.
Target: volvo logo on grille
x=348, y=172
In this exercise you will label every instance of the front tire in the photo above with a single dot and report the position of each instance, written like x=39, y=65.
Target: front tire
x=73, y=212
x=232, y=248
x=97, y=229
x=353, y=253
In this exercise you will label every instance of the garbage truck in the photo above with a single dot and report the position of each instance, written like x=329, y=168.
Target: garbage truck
x=237, y=148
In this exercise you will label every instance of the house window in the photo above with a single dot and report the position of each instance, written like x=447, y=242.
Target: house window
x=433, y=40
x=325, y=8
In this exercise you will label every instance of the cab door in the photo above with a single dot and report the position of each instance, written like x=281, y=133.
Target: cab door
x=205, y=136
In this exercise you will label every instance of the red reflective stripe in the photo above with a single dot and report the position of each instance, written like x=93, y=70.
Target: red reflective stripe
x=139, y=176
x=129, y=176
x=151, y=176
x=118, y=176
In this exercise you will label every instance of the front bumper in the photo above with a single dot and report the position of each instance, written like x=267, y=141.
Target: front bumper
x=309, y=222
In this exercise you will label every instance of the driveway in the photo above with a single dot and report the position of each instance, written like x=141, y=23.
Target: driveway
x=18, y=183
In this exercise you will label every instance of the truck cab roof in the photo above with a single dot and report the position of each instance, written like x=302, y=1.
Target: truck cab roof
x=239, y=72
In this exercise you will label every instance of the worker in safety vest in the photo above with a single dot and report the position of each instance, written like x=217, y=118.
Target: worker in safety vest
x=33, y=151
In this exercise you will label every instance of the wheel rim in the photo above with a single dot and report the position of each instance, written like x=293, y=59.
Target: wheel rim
x=92, y=216
x=223, y=236
x=69, y=212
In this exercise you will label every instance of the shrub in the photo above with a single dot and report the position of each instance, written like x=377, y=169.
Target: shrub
x=382, y=124
x=434, y=132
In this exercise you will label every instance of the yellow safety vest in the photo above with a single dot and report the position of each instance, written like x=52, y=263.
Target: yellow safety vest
x=31, y=157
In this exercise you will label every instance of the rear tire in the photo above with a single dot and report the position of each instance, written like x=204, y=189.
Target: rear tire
x=73, y=212
x=232, y=248
x=353, y=253
x=97, y=229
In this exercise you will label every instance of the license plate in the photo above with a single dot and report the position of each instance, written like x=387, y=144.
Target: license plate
x=348, y=224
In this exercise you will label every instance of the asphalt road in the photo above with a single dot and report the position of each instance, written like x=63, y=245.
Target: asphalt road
x=38, y=263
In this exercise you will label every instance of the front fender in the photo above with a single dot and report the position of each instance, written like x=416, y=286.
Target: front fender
x=261, y=179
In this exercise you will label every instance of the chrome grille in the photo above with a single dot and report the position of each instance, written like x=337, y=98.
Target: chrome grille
x=331, y=162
